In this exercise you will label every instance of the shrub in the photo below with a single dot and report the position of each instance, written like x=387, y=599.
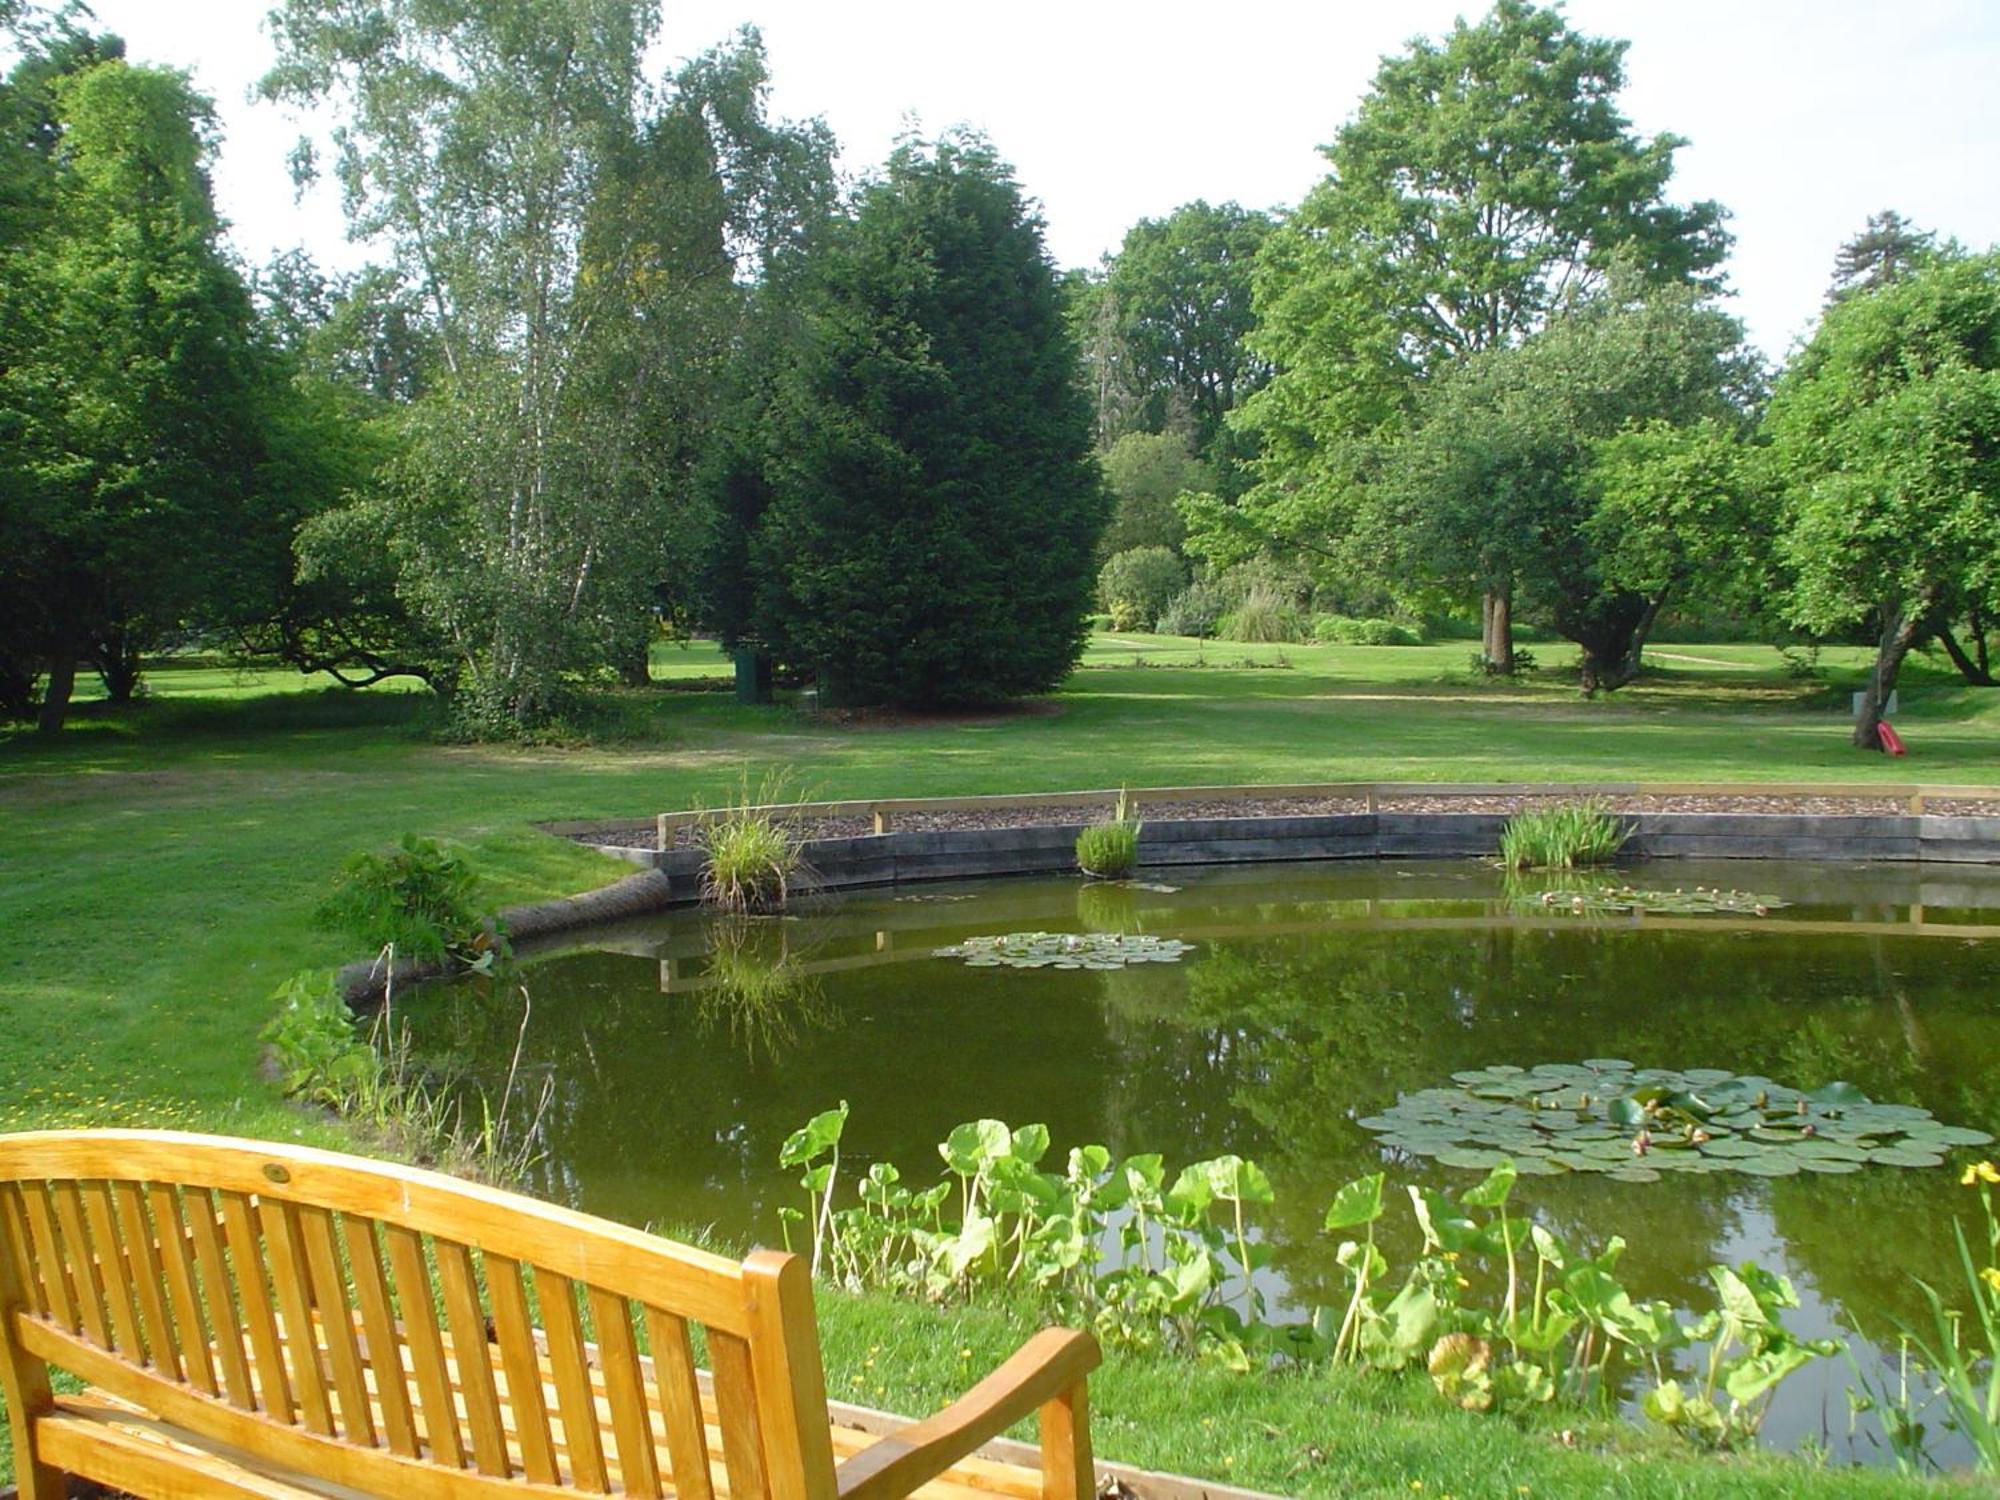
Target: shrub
x=1564, y=837
x=1136, y=585
x=1110, y=851
x=1194, y=611
x=1264, y=615
x=417, y=899
x=1344, y=631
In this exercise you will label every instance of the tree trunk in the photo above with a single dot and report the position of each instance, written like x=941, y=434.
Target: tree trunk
x=1613, y=669
x=17, y=690
x=1974, y=672
x=1899, y=633
x=635, y=668
x=55, y=698
x=1496, y=615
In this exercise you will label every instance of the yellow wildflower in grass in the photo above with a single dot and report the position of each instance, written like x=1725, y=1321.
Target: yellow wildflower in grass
x=1991, y=1276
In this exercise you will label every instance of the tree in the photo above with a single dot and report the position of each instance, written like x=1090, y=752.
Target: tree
x=1179, y=290
x=935, y=504
x=1485, y=180
x=134, y=387
x=1135, y=585
x=1555, y=464
x=1147, y=473
x=579, y=271
x=1888, y=247
x=1885, y=435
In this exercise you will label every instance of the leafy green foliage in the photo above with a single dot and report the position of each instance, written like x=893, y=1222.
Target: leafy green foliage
x=1196, y=610
x=1066, y=950
x=1179, y=296
x=583, y=273
x=1487, y=177
x=1605, y=1116
x=935, y=506
x=140, y=490
x=1147, y=473
x=1563, y=837
x=416, y=899
x=1885, y=441
x=1169, y=1263
x=1343, y=630
x=1136, y=586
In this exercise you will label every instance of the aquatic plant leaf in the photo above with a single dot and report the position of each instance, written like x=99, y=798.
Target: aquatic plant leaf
x=1065, y=950
x=1607, y=1116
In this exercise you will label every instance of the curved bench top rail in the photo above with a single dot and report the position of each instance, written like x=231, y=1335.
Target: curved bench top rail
x=1912, y=794
x=596, y=1252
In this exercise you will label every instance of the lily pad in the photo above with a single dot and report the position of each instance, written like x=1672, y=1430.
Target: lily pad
x=1607, y=1116
x=1066, y=950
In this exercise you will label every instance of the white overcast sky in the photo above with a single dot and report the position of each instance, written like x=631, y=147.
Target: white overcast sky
x=1804, y=116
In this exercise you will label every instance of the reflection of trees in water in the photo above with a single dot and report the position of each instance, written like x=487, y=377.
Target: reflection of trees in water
x=1267, y=1046
x=1332, y=1028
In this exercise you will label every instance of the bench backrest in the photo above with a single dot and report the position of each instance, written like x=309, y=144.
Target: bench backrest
x=396, y=1330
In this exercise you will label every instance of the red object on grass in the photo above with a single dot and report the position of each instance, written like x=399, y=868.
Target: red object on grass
x=1892, y=742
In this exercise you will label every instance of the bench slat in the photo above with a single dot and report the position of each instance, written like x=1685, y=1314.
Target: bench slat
x=55, y=1276
x=246, y=1254
x=420, y=1328
x=736, y=1414
x=177, y=1264
x=142, y=1261
x=110, y=1259
x=467, y=1321
x=680, y=1404
x=219, y=1293
x=514, y=1332
x=17, y=1241
x=283, y=1243
x=570, y=1369
x=82, y=1264
x=336, y=1317
x=617, y=1354
x=378, y=1321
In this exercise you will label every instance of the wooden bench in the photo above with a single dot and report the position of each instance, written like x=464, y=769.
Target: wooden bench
x=267, y=1320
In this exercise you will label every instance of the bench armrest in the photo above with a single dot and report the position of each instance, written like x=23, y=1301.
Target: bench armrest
x=1049, y=1369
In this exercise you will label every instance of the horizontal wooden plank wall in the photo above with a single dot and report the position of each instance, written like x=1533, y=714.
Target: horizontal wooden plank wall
x=882, y=812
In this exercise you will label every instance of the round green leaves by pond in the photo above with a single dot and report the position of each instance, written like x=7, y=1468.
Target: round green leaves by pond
x=1623, y=901
x=1066, y=950
x=1632, y=1124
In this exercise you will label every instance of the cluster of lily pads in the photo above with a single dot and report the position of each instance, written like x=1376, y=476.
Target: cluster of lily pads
x=1066, y=950
x=1619, y=901
x=1604, y=1115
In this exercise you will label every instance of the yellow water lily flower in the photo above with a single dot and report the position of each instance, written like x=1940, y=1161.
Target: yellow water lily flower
x=1978, y=1172
x=1991, y=1276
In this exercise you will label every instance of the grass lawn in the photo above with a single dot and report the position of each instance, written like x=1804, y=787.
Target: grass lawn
x=159, y=864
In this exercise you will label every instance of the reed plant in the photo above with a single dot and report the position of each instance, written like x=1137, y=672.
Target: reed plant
x=1110, y=851
x=1567, y=836
x=753, y=858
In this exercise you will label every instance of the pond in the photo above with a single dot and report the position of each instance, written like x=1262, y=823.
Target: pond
x=683, y=1050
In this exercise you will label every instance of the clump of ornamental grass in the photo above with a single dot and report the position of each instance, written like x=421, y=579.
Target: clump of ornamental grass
x=1110, y=851
x=1568, y=836
x=753, y=858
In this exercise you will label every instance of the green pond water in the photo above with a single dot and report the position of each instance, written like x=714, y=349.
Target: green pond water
x=683, y=1050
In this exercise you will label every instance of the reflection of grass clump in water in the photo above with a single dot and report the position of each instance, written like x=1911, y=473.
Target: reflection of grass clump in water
x=1110, y=851
x=1105, y=907
x=1565, y=837
x=765, y=997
